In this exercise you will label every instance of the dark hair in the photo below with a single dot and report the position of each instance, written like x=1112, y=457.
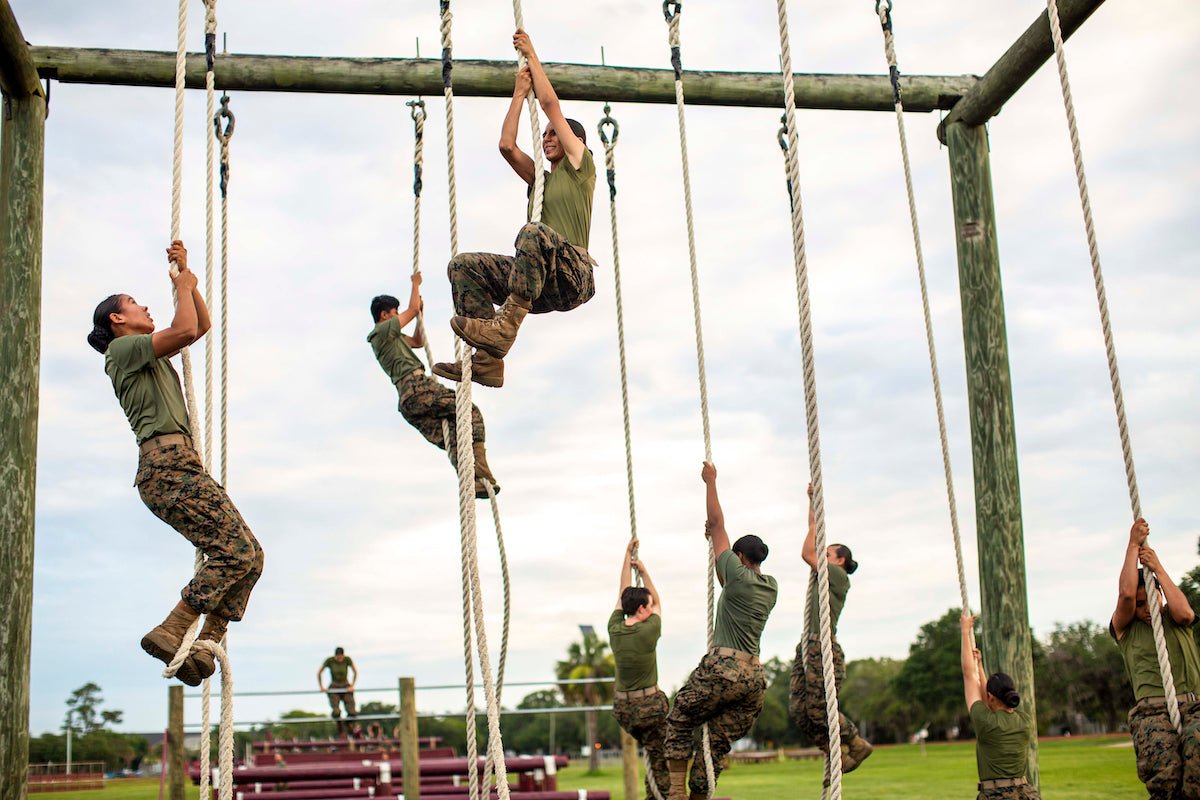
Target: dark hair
x=381, y=303
x=578, y=129
x=844, y=552
x=1001, y=686
x=102, y=333
x=753, y=548
x=1141, y=577
x=340, y=651
x=633, y=598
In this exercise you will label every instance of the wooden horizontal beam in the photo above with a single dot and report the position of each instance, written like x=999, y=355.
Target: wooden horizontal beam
x=1018, y=64
x=18, y=76
x=409, y=76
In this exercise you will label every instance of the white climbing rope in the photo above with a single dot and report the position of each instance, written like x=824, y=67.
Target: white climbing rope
x=1110, y=350
x=810, y=407
x=223, y=136
x=210, y=34
x=884, y=9
x=535, y=123
x=672, y=9
x=472, y=592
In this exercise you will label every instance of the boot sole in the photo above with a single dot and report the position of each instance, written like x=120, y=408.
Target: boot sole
x=493, y=383
x=487, y=348
x=187, y=671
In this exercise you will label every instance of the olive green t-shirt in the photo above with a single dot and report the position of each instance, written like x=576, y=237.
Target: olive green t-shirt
x=633, y=648
x=1141, y=660
x=1001, y=742
x=839, y=587
x=567, y=202
x=148, y=388
x=393, y=353
x=339, y=672
x=745, y=603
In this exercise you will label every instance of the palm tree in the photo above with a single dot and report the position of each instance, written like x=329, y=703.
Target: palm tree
x=587, y=659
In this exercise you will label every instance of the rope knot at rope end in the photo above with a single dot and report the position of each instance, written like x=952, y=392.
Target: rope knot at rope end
x=672, y=9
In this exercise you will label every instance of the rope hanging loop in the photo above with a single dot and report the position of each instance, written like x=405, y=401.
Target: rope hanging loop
x=884, y=9
x=672, y=9
x=608, y=122
x=224, y=115
x=416, y=109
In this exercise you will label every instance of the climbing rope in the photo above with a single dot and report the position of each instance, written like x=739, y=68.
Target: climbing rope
x=1135, y=502
x=609, y=131
x=810, y=406
x=672, y=10
x=417, y=112
x=223, y=135
x=884, y=9
x=535, y=124
x=472, y=591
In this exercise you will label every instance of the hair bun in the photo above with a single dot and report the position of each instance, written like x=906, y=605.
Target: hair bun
x=100, y=339
x=1011, y=698
x=851, y=565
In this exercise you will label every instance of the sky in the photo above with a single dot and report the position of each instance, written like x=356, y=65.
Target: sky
x=358, y=514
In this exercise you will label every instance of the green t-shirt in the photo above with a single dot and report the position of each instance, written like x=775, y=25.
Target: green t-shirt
x=745, y=603
x=339, y=671
x=1001, y=742
x=633, y=648
x=147, y=387
x=567, y=203
x=392, y=352
x=839, y=587
x=1141, y=660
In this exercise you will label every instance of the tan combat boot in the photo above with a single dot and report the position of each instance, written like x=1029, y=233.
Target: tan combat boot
x=678, y=769
x=854, y=753
x=485, y=370
x=163, y=642
x=213, y=631
x=496, y=335
x=483, y=472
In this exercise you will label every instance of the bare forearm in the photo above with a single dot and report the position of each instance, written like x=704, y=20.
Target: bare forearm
x=542, y=87
x=655, y=602
x=1128, y=582
x=712, y=505
x=203, y=320
x=512, y=123
x=185, y=319
x=626, y=574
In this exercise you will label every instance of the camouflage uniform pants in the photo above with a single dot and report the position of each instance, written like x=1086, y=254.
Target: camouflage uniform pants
x=1167, y=763
x=342, y=698
x=547, y=270
x=424, y=403
x=725, y=692
x=645, y=718
x=1025, y=792
x=806, y=700
x=175, y=486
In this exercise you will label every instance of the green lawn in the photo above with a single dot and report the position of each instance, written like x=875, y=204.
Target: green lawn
x=1078, y=769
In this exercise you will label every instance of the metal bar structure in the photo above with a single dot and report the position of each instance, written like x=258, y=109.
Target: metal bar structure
x=430, y=688
x=476, y=78
x=479, y=712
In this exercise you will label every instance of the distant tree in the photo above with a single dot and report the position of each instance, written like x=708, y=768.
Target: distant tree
x=931, y=677
x=1190, y=585
x=1081, y=673
x=869, y=696
x=588, y=658
x=774, y=728
x=83, y=711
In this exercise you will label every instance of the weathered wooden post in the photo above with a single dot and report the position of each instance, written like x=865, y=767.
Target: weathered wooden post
x=174, y=743
x=1006, y=636
x=410, y=745
x=22, y=140
x=629, y=763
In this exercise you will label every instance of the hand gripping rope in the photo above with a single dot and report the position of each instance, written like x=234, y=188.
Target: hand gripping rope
x=472, y=592
x=1110, y=350
x=834, y=763
x=609, y=130
x=672, y=10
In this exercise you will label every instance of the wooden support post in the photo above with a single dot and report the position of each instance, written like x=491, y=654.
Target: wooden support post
x=476, y=78
x=174, y=743
x=22, y=146
x=629, y=764
x=410, y=745
x=1006, y=640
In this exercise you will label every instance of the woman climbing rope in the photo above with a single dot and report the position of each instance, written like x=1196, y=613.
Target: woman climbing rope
x=552, y=270
x=424, y=403
x=807, y=694
x=170, y=478
x=1002, y=732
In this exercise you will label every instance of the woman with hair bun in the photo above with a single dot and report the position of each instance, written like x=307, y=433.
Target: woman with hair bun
x=806, y=701
x=1002, y=732
x=171, y=480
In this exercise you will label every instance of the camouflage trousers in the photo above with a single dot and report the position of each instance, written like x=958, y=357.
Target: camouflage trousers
x=547, y=270
x=806, y=699
x=1025, y=792
x=1169, y=764
x=339, y=699
x=724, y=691
x=425, y=403
x=645, y=719
x=175, y=486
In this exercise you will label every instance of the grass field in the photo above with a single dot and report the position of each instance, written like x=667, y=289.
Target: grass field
x=1072, y=769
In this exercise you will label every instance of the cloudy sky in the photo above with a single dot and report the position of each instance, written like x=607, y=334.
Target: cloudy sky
x=358, y=514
